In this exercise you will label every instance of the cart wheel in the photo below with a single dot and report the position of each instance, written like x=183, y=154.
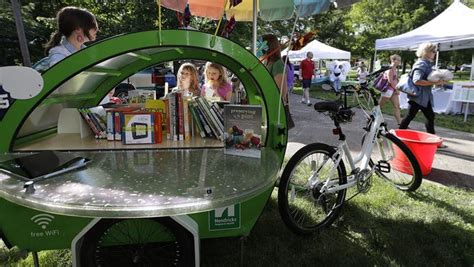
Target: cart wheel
x=137, y=242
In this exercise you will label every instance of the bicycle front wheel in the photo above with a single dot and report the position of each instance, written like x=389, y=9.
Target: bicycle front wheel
x=394, y=162
x=303, y=208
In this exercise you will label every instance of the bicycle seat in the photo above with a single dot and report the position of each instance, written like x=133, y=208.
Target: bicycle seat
x=330, y=106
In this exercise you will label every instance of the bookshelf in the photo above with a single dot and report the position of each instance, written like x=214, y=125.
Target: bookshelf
x=73, y=141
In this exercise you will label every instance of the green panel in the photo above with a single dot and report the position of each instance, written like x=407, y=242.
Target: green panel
x=250, y=211
x=43, y=232
x=147, y=50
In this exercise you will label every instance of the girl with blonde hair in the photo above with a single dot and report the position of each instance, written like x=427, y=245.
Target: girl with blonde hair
x=216, y=83
x=392, y=94
x=188, y=81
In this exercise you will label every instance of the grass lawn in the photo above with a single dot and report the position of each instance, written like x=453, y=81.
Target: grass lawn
x=455, y=122
x=385, y=227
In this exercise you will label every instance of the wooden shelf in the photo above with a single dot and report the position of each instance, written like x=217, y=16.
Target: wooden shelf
x=68, y=142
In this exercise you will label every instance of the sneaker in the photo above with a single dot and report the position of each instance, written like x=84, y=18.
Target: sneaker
x=303, y=101
x=308, y=103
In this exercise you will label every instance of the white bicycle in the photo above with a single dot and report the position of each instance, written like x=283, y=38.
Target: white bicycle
x=312, y=188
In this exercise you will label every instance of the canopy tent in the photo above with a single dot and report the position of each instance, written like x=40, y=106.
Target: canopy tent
x=320, y=51
x=451, y=30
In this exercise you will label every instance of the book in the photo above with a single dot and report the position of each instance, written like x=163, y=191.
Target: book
x=93, y=124
x=211, y=121
x=197, y=121
x=158, y=127
x=110, y=125
x=159, y=105
x=172, y=116
x=243, y=124
x=114, y=123
x=139, y=97
x=138, y=128
x=186, y=119
x=180, y=116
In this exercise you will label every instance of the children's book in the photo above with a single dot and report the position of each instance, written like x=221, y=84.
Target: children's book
x=243, y=130
x=138, y=128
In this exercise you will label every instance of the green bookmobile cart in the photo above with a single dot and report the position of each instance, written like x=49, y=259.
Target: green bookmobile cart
x=134, y=203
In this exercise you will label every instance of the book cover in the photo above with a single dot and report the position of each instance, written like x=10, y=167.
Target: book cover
x=159, y=105
x=138, y=128
x=139, y=97
x=243, y=124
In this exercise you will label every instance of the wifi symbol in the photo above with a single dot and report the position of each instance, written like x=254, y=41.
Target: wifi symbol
x=42, y=219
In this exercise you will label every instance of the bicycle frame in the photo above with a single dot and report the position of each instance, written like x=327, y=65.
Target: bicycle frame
x=361, y=161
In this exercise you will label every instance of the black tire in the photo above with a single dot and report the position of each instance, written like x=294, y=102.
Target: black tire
x=305, y=210
x=390, y=156
x=137, y=242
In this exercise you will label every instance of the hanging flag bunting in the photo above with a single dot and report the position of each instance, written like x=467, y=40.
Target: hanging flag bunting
x=262, y=47
x=228, y=28
x=180, y=20
x=187, y=16
x=233, y=3
x=299, y=41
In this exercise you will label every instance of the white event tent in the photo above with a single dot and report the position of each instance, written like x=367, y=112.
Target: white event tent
x=320, y=51
x=451, y=30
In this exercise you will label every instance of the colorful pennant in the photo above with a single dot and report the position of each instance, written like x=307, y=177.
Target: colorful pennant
x=229, y=27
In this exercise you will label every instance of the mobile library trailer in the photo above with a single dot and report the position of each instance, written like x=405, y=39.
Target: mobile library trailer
x=139, y=202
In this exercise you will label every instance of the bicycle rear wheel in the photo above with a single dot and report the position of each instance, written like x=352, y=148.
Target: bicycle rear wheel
x=395, y=162
x=303, y=208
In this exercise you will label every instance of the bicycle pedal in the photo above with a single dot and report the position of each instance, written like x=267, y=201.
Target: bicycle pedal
x=383, y=166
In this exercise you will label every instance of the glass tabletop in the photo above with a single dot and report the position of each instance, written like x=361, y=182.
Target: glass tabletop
x=147, y=183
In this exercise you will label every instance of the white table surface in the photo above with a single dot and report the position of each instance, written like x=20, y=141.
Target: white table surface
x=442, y=102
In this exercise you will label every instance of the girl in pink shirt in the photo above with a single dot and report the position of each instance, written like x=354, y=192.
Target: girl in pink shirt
x=216, y=83
x=392, y=93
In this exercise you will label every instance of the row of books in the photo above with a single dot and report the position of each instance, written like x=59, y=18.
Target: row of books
x=130, y=125
x=186, y=117
x=208, y=117
x=176, y=118
x=133, y=125
x=180, y=118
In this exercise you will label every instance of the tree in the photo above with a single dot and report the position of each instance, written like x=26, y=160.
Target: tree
x=372, y=19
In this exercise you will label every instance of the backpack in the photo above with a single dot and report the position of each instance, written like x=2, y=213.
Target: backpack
x=381, y=82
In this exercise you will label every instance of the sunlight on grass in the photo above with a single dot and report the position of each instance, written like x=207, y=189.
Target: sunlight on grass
x=432, y=226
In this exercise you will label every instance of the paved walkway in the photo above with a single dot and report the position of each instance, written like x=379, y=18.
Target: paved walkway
x=452, y=166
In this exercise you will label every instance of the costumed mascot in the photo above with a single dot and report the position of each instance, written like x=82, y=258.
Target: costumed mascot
x=338, y=71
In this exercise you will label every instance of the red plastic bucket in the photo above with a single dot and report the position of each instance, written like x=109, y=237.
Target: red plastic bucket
x=423, y=145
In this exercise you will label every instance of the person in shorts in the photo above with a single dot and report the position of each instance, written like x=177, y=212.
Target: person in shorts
x=306, y=75
x=392, y=94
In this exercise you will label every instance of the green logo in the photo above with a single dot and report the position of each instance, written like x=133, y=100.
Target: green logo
x=225, y=218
